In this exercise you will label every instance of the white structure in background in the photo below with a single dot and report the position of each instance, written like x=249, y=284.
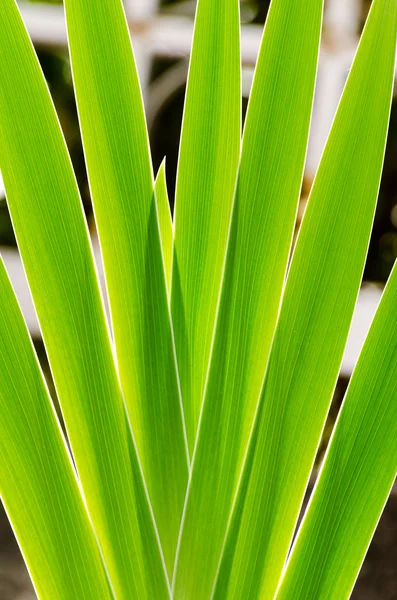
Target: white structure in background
x=341, y=23
x=367, y=303
x=156, y=35
x=342, y=18
x=141, y=11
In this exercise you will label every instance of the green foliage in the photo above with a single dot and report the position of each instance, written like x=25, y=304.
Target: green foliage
x=208, y=159
x=165, y=221
x=194, y=423
x=119, y=169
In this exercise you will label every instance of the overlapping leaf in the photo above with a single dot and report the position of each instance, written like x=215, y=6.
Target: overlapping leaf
x=207, y=168
x=165, y=221
x=53, y=240
x=358, y=473
x=38, y=485
x=224, y=281
x=121, y=181
x=268, y=187
x=318, y=303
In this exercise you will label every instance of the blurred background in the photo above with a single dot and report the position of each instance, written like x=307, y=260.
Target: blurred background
x=161, y=32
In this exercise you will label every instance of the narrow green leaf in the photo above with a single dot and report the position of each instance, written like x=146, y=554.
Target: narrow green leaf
x=165, y=221
x=318, y=304
x=271, y=170
x=207, y=169
x=121, y=181
x=53, y=240
x=37, y=483
x=358, y=473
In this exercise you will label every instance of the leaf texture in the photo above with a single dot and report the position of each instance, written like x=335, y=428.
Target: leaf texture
x=318, y=304
x=270, y=175
x=208, y=160
x=53, y=240
x=358, y=473
x=120, y=174
x=38, y=485
x=165, y=221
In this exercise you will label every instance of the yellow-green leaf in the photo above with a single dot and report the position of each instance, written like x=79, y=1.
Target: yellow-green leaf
x=52, y=236
x=207, y=168
x=165, y=221
x=269, y=181
x=314, y=321
x=358, y=473
x=121, y=181
x=38, y=485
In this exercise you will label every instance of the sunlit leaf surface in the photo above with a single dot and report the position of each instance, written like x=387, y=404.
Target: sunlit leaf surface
x=207, y=168
x=195, y=417
x=165, y=221
x=53, y=240
x=38, y=485
x=274, y=143
x=121, y=181
x=318, y=303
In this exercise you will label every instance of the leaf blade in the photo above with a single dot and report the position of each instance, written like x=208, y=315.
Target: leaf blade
x=254, y=274
x=53, y=240
x=37, y=483
x=207, y=168
x=361, y=459
x=121, y=181
x=318, y=304
x=165, y=221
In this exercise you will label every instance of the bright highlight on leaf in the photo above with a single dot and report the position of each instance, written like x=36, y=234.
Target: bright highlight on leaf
x=121, y=182
x=259, y=243
x=192, y=453
x=37, y=484
x=314, y=321
x=53, y=240
x=165, y=221
x=208, y=159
